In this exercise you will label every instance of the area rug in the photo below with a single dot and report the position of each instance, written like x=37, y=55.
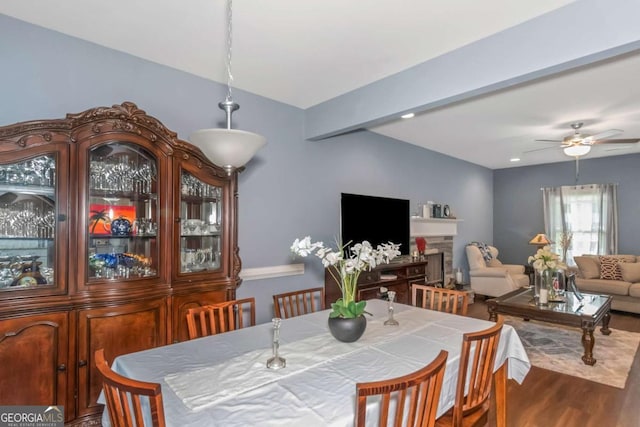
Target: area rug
x=559, y=348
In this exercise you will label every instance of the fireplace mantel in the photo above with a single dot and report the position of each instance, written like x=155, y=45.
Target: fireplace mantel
x=433, y=227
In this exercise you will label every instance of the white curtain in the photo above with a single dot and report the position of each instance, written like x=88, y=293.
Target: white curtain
x=588, y=212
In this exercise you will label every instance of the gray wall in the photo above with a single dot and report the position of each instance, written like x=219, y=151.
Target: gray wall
x=291, y=189
x=517, y=209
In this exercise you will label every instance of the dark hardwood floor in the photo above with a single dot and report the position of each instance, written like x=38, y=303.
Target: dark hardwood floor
x=549, y=399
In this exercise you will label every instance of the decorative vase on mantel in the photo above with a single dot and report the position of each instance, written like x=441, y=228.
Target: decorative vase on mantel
x=347, y=329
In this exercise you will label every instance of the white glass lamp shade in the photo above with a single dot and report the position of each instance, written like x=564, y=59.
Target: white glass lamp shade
x=577, y=150
x=229, y=148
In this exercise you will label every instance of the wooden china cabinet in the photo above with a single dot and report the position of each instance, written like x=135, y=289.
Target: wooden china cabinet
x=110, y=229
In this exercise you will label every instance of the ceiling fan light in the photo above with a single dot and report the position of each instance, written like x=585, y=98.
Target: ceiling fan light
x=577, y=150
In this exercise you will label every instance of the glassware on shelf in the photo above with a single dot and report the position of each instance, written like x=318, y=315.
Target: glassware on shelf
x=200, y=224
x=120, y=266
x=130, y=169
x=192, y=186
x=276, y=362
x=27, y=216
x=123, y=207
x=188, y=258
x=28, y=223
x=23, y=271
x=391, y=298
x=144, y=227
x=193, y=226
x=36, y=172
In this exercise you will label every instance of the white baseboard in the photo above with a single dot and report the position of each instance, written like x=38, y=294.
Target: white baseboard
x=271, y=272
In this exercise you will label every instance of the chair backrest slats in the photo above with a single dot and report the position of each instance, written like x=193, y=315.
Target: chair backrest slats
x=477, y=359
x=439, y=299
x=415, y=396
x=221, y=317
x=296, y=303
x=122, y=396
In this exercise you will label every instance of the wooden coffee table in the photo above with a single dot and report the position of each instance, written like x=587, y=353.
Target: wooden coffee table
x=585, y=313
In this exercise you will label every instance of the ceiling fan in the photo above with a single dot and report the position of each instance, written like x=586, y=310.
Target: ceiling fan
x=579, y=144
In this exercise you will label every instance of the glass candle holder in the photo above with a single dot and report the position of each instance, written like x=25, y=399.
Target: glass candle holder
x=391, y=321
x=276, y=362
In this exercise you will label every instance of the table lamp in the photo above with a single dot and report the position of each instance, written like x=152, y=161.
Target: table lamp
x=540, y=240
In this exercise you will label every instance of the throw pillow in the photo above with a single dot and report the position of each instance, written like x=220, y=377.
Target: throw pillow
x=623, y=258
x=609, y=267
x=630, y=271
x=588, y=266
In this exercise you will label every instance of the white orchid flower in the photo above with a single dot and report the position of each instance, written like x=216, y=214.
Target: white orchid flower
x=349, y=261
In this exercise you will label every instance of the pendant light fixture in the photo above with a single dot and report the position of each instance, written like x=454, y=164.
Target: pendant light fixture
x=229, y=148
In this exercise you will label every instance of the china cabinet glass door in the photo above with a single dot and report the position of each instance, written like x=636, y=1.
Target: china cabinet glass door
x=28, y=223
x=123, y=212
x=200, y=224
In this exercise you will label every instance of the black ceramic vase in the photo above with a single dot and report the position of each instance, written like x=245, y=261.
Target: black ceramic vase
x=347, y=330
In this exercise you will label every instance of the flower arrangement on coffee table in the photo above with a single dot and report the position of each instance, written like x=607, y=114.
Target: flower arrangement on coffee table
x=547, y=263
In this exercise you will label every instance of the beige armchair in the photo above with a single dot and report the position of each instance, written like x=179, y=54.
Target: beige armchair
x=493, y=278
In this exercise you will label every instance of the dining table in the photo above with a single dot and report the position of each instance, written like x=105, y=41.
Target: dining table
x=223, y=379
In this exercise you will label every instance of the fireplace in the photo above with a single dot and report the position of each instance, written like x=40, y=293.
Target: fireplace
x=439, y=234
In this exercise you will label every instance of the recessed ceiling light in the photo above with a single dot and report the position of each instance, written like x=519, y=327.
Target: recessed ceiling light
x=514, y=159
x=407, y=116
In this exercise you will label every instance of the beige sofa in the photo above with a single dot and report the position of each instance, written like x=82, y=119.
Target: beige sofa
x=615, y=275
x=493, y=278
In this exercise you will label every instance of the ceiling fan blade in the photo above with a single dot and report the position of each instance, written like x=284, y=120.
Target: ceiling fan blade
x=618, y=147
x=540, y=149
x=602, y=135
x=617, y=141
x=548, y=140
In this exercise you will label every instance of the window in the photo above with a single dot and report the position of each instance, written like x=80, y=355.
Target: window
x=588, y=212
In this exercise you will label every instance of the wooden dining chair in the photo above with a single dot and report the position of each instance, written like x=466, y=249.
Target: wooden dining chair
x=303, y=301
x=415, y=396
x=221, y=317
x=477, y=359
x=123, y=397
x=440, y=299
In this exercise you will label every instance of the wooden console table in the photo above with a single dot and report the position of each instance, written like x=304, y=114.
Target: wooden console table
x=396, y=276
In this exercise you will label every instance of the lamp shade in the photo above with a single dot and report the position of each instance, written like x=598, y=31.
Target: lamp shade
x=540, y=239
x=577, y=150
x=229, y=148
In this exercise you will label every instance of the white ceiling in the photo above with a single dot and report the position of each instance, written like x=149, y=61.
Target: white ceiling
x=304, y=52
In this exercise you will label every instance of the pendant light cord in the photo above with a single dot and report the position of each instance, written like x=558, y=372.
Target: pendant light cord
x=229, y=49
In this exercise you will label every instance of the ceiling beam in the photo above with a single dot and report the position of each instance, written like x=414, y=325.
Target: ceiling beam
x=581, y=33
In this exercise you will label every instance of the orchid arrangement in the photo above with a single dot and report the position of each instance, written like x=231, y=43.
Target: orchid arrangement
x=545, y=259
x=348, y=262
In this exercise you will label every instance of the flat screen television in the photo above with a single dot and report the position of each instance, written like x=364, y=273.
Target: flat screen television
x=375, y=219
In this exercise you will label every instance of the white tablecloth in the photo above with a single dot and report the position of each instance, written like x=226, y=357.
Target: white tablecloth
x=223, y=380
